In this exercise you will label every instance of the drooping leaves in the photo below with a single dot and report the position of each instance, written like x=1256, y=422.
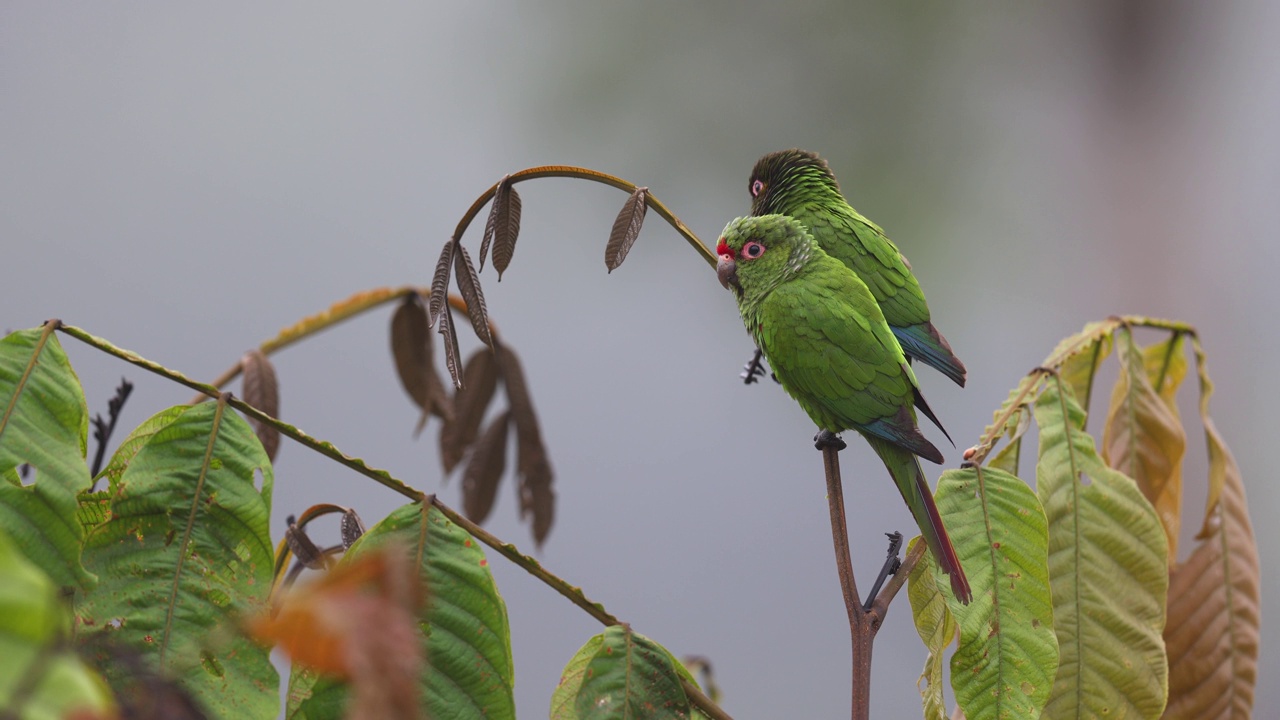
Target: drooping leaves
x=1213, y=666
x=1107, y=561
x=469, y=286
x=44, y=421
x=451, y=352
x=262, y=390
x=502, y=226
x=463, y=627
x=439, y=298
x=484, y=471
x=626, y=228
x=40, y=677
x=532, y=465
x=1080, y=364
x=411, y=350
x=1004, y=666
x=185, y=549
x=622, y=674
x=358, y=622
x=480, y=380
x=1143, y=437
x=936, y=626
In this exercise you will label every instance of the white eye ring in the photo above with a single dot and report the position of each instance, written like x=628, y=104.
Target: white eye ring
x=752, y=250
x=757, y=187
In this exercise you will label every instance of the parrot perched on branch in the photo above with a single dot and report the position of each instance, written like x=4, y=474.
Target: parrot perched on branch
x=828, y=343
x=799, y=183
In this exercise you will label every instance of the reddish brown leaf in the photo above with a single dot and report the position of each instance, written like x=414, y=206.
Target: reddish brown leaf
x=352, y=528
x=480, y=379
x=262, y=390
x=302, y=547
x=440, y=283
x=451, y=351
x=502, y=227
x=532, y=465
x=411, y=350
x=626, y=228
x=472, y=295
x=484, y=471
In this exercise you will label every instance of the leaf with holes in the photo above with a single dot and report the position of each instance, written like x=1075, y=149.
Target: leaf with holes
x=1004, y=665
x=262, y=390
x=1143, y=436
x=936, y=627
x=469, y=286
x=34, y=628
x=1214, y=595
x=626, y=228
x=479, y=381
x=622, y=674
x=463, y=625
x=45, y=422
x=187, y=551
x=1107, y=562
x=484, y=471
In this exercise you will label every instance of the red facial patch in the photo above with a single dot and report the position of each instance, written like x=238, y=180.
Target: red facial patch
x=723, y=248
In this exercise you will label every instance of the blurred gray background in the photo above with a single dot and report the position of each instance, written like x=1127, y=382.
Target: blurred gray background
x=187, y=181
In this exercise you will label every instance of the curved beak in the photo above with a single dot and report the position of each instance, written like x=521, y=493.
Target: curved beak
x=727, y=271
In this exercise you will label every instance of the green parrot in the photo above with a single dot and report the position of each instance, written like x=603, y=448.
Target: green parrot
x=800, y=184
x=829, y=345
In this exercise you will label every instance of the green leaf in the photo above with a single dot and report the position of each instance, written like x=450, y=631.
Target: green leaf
x=45, y=422
x=468, y=640
x=1143, y=436
x=185, y=552
x=35, y=665
x=1081, y=363
x=622, y=674
x=936, y=626
x=1107, y=562
x=1004, y=666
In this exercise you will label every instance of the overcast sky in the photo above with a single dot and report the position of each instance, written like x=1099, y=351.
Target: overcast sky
x=186, y=181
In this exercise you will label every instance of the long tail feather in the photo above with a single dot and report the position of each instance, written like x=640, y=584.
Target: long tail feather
x=923, y=407
x=924, y=343
x=909, y=477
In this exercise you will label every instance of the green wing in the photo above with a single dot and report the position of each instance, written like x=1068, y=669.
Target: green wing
x=828, y=343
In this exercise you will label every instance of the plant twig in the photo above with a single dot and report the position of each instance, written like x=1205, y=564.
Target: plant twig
x=891, y=566
x=570, y=171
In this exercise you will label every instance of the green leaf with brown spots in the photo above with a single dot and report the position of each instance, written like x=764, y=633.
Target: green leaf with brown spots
x=622, y=675
x=184, y=554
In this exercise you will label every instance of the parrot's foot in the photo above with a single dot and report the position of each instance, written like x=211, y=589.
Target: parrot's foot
x=827, y=439
x=890, y=567
x=753, y=369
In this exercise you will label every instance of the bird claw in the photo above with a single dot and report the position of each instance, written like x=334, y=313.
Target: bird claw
x=754, y=369
x=827, y=439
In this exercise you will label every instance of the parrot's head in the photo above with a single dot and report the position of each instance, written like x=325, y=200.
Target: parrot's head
x=781, y=181
x=758, y=253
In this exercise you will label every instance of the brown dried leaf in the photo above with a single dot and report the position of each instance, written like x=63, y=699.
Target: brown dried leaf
x=536, y=496
x=451, y=351
x=484, y=471
x=411, y=348
x=472, y=295
x=505, y=221
x=352, y=528
x=303, y=548
x=262, y=390
x=626, y=228
x=532, y=464
x=1143, y=437
x=440, y=283
x=1212, y=632
x=480, y=379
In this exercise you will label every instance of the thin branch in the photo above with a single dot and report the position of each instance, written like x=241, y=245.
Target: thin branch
x=570, y=171
x=840, y=534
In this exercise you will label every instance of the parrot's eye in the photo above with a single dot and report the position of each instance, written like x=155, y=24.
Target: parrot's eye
x=752, y=250
x=757, y=187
